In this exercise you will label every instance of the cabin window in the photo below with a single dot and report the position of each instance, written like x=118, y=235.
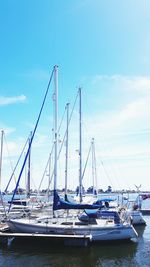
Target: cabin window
x=67, y=223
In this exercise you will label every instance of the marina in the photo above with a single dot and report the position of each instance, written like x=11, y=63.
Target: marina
x=74, y=133
x=64, y=239
x=97, y=220
x=29, y=252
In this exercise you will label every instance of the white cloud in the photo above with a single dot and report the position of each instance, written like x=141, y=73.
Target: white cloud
x=127, y=100
x=120, y=107
x=135, y=83
x=120, y=133
x=12, y=100
x=7, y=130
x=134, y=114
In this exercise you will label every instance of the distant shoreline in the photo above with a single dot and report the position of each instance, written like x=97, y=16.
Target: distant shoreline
x=73, y=192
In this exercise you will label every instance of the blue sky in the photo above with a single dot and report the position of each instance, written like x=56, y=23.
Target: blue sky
x=102, y=46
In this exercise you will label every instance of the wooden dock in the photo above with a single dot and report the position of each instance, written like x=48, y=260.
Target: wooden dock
x=68, y=240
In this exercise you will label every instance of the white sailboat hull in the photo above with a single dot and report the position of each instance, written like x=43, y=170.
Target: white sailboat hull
x=98, y=232
x=134, y=216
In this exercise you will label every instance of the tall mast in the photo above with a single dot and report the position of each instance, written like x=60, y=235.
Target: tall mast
x=66, y=165
x=94, y=174
x=55, y=123
x=93, y=178
x=1, y=155
x=80, y=148
x=29, y=168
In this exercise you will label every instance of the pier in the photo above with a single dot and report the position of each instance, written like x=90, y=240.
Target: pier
x=68, y=240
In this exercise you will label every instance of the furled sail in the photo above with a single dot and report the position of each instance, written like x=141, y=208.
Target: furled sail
x=59, y=203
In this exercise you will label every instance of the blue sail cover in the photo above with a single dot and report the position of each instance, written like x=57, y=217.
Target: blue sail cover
x=59, y=203
x=100, y=213
x=106, y=199
x=99, y=201
x=96, y=214
x=69, y=199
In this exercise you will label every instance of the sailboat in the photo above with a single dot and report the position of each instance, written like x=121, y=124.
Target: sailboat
x=131, y=212
x=23, y=203
x=98, y=226
x=14, y=213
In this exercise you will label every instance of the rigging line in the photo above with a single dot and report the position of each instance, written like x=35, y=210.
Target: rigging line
x=37, y=122
x=62, y=120
x=8, y=152
x=68, y=124
x=51, y=151
x=46, y=168
x=48, y=187
x=13, y=173
x=65, y=133
x=106, y=172
x=86, y=162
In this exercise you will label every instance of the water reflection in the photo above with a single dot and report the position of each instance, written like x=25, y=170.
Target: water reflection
x=45, y=254
x=50, y=255
x=140, y=230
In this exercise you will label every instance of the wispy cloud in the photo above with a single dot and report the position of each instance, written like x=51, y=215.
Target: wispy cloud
x=119, y=122
x=7, y=130
x=12, y=100
x=135, y=83
x=120, y=129
x=134, y=115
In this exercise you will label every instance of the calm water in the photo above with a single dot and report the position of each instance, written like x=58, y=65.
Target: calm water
x=29, y=254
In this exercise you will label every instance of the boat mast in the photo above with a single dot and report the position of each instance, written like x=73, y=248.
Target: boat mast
x=2, y=137
x=93, y=169
x=94, y=174
x=66, y=165
x=1, y=156
x=29, y=168
x=55, y=124
x=80, y=148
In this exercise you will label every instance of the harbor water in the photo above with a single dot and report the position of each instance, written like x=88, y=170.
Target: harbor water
x=21, y=253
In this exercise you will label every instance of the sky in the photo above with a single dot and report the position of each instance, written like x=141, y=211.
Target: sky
x=100, y=46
